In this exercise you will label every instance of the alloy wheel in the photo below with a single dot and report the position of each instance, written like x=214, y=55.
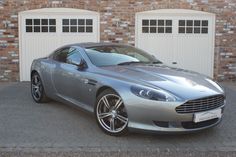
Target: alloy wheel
x=111, y=113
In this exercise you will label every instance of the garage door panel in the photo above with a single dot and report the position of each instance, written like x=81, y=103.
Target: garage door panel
x=195, y=57
x=77, y=39
x=190, y=44
x=157, y=46
x=41, y=32
x=36, y=47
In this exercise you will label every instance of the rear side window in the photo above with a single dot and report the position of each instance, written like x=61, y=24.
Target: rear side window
x=61, y=55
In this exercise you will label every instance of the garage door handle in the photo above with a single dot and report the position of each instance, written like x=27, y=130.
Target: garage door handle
x=174, y=62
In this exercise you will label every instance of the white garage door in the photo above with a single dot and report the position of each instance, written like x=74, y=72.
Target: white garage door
x=179, y=38
x=43, y=30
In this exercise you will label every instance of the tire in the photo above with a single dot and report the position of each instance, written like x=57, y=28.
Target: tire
x=111, y=114
x=37, y=89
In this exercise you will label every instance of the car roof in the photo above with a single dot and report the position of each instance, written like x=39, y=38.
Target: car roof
x=87, y=45
x=94, y=44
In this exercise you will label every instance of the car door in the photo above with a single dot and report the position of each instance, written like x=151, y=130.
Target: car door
x=68, y=79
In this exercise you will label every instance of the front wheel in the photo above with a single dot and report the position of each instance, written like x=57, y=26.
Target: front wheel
x=111, y=114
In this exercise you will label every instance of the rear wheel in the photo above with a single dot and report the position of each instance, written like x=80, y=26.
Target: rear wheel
x=111, y=114
x=37, y=89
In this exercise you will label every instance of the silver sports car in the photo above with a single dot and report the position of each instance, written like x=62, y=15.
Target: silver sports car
x=127, y=89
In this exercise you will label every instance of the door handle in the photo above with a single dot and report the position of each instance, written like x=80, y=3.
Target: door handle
x=174, y=62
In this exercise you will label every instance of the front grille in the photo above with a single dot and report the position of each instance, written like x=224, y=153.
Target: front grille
x=203, y=104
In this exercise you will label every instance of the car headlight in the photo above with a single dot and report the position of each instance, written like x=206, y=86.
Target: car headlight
x=158, y=95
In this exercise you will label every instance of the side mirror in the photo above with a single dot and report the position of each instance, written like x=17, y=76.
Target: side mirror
x=79, y=63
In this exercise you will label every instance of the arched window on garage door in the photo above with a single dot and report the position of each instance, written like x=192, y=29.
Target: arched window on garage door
x=178, y=37
x=43, y=30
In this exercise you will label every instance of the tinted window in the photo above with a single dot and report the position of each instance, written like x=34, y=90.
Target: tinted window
x=114, y=55
x=61, y=55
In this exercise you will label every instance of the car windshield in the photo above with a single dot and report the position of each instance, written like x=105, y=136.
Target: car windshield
x=119, y=55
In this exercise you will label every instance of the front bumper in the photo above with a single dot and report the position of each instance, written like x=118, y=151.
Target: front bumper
x=154, y=116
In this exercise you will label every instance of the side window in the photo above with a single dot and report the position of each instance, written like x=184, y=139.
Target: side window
x=74, y=55
x=61, y=55
x=40, y=25
x=77, y=25
x=193, y=26
x=156, y=26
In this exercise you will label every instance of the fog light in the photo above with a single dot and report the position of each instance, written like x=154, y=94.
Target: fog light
x=161, y=124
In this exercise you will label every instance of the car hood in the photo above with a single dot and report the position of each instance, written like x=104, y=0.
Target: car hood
x=181, y=83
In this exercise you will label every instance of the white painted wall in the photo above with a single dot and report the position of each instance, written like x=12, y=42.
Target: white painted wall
x=191, y=51
x=36, y=45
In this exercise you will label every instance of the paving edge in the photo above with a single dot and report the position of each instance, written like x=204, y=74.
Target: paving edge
x=111, y=152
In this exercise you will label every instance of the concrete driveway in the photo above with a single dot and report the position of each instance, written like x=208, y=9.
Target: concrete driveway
x=56, y=129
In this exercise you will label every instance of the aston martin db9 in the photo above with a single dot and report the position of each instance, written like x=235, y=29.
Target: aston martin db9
x=127, y=89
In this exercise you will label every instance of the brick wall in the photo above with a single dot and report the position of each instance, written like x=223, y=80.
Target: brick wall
x=117, y=25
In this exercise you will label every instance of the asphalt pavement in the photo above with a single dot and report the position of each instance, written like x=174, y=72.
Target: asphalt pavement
x=56, y=129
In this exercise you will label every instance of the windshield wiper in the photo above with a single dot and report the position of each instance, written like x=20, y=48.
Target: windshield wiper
x=138, y=62
x=156, y=62
x=130, y=62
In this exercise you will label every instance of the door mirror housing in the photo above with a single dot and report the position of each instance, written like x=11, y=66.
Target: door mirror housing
x=81, y=64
